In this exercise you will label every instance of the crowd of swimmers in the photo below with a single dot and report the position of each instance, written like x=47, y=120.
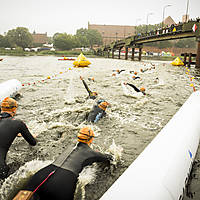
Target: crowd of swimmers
x=57, y=180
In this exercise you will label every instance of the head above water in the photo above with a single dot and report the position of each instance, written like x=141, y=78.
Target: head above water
x=86, y=135
x=94, y=94
x=142, y=89
x=103, y=105
x=9, y=105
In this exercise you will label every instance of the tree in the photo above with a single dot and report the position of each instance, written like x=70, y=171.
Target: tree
x=186, y=43
x=4, y=41
x=20, y=37
x=64, y=41
x=81, y=36
x=94, y=37
x=88, y=37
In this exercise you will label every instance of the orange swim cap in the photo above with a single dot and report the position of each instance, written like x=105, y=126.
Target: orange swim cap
x=135, y=73
x=9, y=105
x=103, y=105
x=142, y=89
x=85, y=135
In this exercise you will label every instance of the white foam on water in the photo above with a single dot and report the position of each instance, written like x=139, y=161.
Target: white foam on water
x=19, y=179
x=130, y=92
x=70, y=94
x=116, y=152
x=89, y=173
x=36, y=127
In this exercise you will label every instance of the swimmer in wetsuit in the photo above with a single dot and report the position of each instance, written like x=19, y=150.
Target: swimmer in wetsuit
x=92, y=95
x=58, y=180
x=98, y=111
x=9, y=128
x=136, y=89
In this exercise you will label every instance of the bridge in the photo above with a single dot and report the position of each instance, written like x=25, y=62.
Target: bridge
x=180, y=31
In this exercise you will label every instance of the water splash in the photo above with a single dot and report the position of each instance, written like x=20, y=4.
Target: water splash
x=116, y=152
x=89, y=173
x=87, y=176
x=37, y=128
x=19, y=179
x=70, y=96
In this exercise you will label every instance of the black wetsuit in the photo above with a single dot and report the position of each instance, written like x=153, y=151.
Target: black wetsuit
x=95, y=114
x=91, y=96
x=137, y=77
x=9, y=128
x=134, y=87
x=62, y=184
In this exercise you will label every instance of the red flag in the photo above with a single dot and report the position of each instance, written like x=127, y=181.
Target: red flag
x=194, y=28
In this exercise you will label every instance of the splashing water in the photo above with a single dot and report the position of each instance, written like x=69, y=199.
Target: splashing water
x=87, y=176
x=70, y=91
x=116, y=152
x=130, y=92
x=89, y=173
x=37, y=128
x=17, y=180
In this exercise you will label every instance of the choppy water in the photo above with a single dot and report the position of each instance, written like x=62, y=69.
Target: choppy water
x=55, y=108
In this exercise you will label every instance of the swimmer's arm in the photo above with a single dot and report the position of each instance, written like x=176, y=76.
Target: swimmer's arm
x=26, y=134
x=133, y=86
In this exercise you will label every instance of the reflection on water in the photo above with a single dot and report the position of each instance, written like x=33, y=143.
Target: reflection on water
x=55, y=108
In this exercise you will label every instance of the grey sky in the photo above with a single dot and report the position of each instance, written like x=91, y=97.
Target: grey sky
x=67, y=16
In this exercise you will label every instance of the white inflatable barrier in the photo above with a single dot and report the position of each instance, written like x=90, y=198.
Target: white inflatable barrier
x=161, y=171
x=9, y=88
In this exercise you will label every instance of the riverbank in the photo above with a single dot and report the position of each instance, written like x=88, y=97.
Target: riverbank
x=21, y=52
x=73, y=53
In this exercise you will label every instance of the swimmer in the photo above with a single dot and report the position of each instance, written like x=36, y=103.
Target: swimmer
x=58, y=180
x=92, y=95
x=98, y=111
x=9, y=129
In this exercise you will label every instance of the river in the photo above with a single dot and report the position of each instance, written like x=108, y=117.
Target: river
x=53, y=104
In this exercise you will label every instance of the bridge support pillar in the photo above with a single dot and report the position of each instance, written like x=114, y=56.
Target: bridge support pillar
x=113, y=53
x=126, y=53
x=119, y=53
x=140, y=53
x=198, y=53
x=133, y=54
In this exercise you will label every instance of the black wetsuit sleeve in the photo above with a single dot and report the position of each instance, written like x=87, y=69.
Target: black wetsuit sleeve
x=133, y=86
x=100, y=157
x=26, y=134
x=86, y=87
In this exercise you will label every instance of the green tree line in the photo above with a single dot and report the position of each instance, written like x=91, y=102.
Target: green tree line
x=21, y=37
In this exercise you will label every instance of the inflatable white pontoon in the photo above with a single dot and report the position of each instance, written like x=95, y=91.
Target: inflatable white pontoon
x=9, y=88
x=161, y=171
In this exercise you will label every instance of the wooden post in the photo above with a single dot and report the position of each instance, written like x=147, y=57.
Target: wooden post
x=126, y=53
x=119, y=53
x=190, y=59
x=133, y=54
x=140, y=53
x=113, y=53
x=198, y=54
x=185, y=59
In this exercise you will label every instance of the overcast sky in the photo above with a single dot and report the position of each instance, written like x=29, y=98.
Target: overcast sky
x=67, y=16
